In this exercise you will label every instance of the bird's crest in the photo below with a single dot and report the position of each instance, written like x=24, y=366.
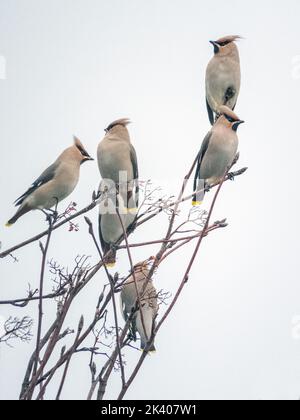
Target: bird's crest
x=227, y=40
x=81, y=147
x=123, y=122
x=144, y=265
x=224, y=110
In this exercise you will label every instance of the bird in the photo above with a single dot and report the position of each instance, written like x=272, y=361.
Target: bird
x=55, y=184
x=117, y=161
x=217, y=152
x=144, y=318
x=223, y=76
x=110, y=227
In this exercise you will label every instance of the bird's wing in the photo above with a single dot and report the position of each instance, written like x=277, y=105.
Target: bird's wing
x=134, y=162
x=46, y=176
x=126, y=315
x=104, y=245
x=210, y=113
x=201, y=155
x=122, y=307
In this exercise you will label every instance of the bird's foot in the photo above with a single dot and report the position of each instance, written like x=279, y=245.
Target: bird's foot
x=230, y=176
x=207, y=188
x=51, y=215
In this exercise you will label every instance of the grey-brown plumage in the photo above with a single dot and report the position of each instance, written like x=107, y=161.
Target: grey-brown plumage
x=145, y=323
x=55, y=184
x=223, y=76
x=110, y=227
x=117, y=158
x=217, y=152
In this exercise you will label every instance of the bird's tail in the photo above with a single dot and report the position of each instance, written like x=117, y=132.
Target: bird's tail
x=110, y=261
x=20, y=213
x=196, y=202
x=152, y=349
x=132, y=201
x=109, y=253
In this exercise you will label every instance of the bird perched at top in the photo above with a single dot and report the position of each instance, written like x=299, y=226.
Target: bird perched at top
x=55, y=184
x=217, y=152
x=117, y=161
x=223, y=76
x=143, y=320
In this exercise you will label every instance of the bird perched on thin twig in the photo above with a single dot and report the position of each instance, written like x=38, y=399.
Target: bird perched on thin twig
x=223, y=76
x=117, y=161
x=143, y=289
x=217, y=152
x=55, y=184
x=111, y=228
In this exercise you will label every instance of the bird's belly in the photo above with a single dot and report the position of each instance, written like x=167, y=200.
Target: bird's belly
x=220, y=80
x=113, y=162
x=111, y=228
x=48, y=196
x=214, y=168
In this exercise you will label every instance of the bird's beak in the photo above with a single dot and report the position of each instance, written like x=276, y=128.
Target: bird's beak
x=87, y=159
x=216, y=46
x=236, y=125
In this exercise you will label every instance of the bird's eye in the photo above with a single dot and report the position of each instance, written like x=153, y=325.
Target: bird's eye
x=223, y=44
x=228, y=118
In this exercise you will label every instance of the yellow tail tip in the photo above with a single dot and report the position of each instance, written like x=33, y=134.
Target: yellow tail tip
x=197, y=203
x=8, y=224
x=149, y=352
x=110, y=265
x=132, y=210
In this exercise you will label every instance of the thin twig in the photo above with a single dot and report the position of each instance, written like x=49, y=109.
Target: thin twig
x=40, y=318
x=93, y=205
x=91, y=232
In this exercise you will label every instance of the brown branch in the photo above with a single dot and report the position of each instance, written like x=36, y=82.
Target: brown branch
x=94, y=204
x=45, y=233
x=42, y=276
x=184, y=281
x=91, y=232
x=80, y=327
x=138, y=302
x=21, y=303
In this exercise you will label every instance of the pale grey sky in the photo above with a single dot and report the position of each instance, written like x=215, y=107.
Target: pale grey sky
x=72, y=67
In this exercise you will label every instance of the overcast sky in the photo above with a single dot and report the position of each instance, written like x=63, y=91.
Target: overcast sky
x=72, y=67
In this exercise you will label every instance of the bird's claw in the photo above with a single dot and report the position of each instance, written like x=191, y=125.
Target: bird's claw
x=231, y=176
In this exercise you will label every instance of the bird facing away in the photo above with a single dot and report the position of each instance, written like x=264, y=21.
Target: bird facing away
x=55, y=184
x=117, y=161
x=144, y=318
x=223, y=76
x=217, y=152
x=111, y=229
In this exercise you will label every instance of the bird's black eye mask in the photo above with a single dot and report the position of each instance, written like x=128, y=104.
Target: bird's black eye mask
x=110, y=127
x=223, y=44
x=230, y=119
x=83, y=151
